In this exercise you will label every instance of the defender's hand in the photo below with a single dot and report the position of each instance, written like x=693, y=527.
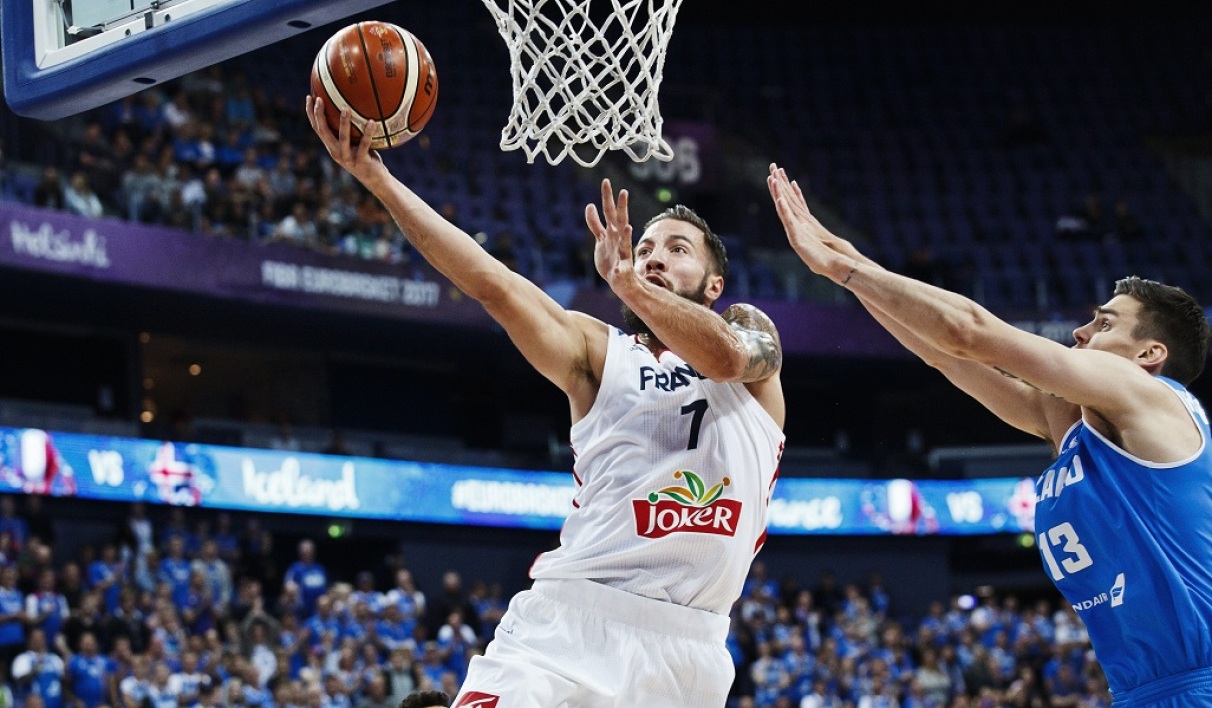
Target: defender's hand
x=820, y=250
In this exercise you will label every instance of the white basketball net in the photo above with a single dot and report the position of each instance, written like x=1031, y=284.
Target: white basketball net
x=585, y=84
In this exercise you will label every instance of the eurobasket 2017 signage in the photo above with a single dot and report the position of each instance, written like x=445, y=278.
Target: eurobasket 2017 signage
x=124, y=469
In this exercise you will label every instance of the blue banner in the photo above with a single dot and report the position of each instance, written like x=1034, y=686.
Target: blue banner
x=123, y=469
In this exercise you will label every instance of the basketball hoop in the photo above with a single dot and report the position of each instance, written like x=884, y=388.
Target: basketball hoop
x=585, y=84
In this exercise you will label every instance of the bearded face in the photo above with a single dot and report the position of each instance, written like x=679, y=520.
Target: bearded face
x=696, y=294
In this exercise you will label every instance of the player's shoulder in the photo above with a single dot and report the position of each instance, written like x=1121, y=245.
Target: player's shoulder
x=588, y=320
x=590, y=325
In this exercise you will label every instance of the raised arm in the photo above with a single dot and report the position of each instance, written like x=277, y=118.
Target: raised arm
x=742, y=345
x=957, y=327
x=1011, y=400
x=567, y=348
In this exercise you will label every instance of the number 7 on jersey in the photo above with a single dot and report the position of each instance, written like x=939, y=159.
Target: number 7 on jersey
x=696, y=409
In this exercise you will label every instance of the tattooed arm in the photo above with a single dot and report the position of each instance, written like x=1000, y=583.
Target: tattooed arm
x=763, y=357
x=763, y=353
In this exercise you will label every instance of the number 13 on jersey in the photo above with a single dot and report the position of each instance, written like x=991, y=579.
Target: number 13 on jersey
x=1063, y=538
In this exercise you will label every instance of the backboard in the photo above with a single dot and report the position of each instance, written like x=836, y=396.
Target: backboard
x=59, y=62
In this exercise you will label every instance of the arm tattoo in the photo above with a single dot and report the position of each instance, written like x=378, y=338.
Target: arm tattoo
x=1025, y=382
x=759, y=338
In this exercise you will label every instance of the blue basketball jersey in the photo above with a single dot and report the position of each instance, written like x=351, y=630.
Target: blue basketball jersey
x=1129, y=544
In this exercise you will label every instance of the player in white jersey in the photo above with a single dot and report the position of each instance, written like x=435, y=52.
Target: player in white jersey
x=677, y=432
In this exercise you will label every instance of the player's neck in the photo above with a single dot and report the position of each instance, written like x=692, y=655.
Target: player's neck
x=654, y=345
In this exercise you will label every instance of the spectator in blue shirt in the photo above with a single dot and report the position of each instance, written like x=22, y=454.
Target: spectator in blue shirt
x=309, y=575
x=45, y=608
x=323, y=622
x=769, y=675
x=38, y=672
x=90, y=675
x=456, y=640
x=489, y=605
x=198, y=612
x=12, y=619
x=432, y=662
x=757, y=578
x=393, y=630
x=364, y=592
x=406, y=597
x=880, y=600
x=107, y=575
x=357, y=623
x=800, y=664
x=175, y=570
x=218, y=575
x=168, y=640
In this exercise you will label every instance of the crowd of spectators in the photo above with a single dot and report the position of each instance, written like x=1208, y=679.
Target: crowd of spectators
x=188, y=611
x=837, y=645
x=212, y=153
x=217, y=153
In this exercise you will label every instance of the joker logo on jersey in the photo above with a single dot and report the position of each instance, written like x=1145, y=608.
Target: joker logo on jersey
x=690, y=509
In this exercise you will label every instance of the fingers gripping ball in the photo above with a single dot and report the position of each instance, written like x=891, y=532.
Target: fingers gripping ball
x=384, y=75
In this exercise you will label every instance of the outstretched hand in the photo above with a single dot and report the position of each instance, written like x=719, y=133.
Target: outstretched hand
x=612, y=240
x=358, y=159
x=815, y=244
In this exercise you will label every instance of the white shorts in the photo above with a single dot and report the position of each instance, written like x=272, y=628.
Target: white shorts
x=581, y=644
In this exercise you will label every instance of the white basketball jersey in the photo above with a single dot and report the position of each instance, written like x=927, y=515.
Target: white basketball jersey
x=674, y=474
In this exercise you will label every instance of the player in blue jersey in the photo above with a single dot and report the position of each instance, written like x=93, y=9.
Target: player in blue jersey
x=1124, y=514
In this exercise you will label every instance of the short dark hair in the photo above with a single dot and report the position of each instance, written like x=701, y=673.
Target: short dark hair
x=715, y=247
x=1171, y=316
x=425, y=699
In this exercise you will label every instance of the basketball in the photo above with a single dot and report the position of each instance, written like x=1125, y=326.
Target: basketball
x=384, y=75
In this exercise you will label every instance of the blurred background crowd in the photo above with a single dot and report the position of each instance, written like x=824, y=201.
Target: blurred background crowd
x=184, y=607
